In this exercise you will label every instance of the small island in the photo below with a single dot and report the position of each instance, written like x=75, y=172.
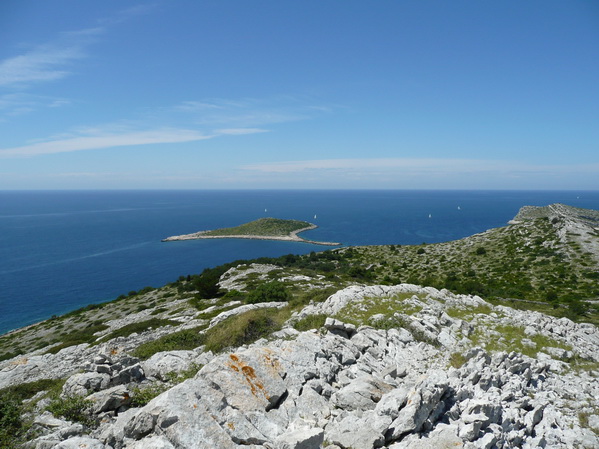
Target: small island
x=261, y=229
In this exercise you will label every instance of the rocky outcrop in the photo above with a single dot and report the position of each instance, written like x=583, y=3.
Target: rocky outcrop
x=361, y=387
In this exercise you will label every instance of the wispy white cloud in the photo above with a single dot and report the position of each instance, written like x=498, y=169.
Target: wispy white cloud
x=53, y=60
x=19, y=103
x=95, y=142
x=239, y=131
x=41, y=64
x=422, y=166
x=128, y=13
x=373, y=163
x=249, y=112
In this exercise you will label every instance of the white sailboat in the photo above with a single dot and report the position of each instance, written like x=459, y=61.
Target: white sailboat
x=430, y=215
x=314, y=216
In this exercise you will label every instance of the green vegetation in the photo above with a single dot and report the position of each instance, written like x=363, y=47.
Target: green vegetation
x=262, y=227
x=140, y=326
x=78, y=337
x=74, y=408
x=184, y=339
x=532, y=265
x=457, y=359
x=379, y=311
x=466, y=313
x=513, y=338
x=142, y=395
x=245, y=328
x=14, y=429
x=310, y=322
x=267, y=292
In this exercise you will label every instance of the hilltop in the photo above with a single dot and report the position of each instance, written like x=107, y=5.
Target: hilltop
x=362, y=347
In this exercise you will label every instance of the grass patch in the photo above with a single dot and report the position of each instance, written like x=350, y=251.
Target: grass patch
x=201, y=304
x=362, y=312
x=29, y=389
x=182, y=340
x=141, y=326
x=78, y=337
x=461, y=313
x=510, y=339
x=310, y=322
x=316, y=295
x=457, y=359
x=245, y=328
x=214, y=313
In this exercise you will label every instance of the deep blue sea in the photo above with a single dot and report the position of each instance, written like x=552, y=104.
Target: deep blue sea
x=61, y=250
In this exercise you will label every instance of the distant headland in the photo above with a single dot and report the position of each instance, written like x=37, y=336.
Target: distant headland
x=261, y=229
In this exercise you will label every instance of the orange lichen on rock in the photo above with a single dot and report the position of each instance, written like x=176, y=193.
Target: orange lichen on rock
x=249, y=374
x=272, y=362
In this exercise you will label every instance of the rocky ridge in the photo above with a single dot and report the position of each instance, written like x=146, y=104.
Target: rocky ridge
x=418, y=368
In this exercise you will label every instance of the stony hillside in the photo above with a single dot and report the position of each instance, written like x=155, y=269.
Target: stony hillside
x=313, y=351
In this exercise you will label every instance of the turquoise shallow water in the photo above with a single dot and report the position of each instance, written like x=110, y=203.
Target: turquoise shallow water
x=61, y=250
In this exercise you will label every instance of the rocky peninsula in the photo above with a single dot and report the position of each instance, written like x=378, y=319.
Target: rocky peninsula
x=261, y=229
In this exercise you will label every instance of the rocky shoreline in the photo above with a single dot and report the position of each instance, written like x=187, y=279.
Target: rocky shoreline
x=292, y=237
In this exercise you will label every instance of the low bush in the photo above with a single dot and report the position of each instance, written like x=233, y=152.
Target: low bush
x=267, y=292
x=142, y=395
x=74, y=408
x=12, y=427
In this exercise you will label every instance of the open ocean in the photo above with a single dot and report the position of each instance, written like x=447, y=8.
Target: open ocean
x=61, y=250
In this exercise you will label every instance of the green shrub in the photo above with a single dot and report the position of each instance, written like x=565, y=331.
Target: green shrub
x=267, y=292
x=142, y=395
x=74, y=408
x=12, y=427
x=234, y=295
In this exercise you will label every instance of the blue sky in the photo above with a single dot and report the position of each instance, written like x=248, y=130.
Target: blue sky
x=195, y=94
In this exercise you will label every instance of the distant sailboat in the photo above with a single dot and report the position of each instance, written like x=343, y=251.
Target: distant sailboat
x=265, y=210
x=459, y=208
x=430, y=215
x=314, y=216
